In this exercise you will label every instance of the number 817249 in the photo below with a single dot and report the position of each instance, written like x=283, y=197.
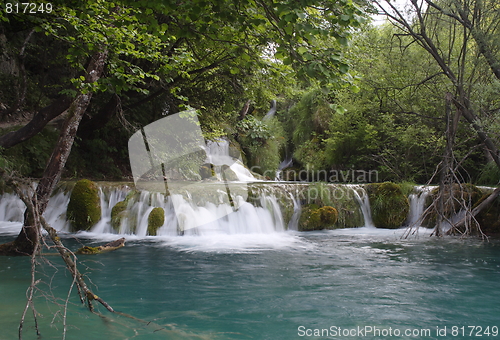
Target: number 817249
x=28, y=7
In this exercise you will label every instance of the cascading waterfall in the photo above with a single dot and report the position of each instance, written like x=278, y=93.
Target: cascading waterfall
x=12, y=209
x=269, y=208
x=364, y=204
x=417, y=201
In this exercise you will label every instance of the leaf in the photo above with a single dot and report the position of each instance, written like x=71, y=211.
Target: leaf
x=342, y=41
x=302, y=50
x=344, y=68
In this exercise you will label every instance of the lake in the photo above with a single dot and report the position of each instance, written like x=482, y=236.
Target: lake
x=338, y=284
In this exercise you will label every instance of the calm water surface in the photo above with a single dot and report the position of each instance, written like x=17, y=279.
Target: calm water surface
x=277, y=286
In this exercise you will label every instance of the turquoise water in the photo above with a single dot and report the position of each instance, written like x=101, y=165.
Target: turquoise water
x=279, y=286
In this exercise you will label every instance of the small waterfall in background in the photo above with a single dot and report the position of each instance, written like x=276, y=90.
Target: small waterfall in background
x=287, y=162
x=219, y=154
x=272, y=111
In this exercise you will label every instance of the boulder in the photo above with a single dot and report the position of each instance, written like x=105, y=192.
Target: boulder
x=389, y=206
x=314, y=217
x=156, y=219
x=84, y=208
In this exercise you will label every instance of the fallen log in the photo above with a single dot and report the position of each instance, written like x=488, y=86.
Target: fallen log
x=86, y=250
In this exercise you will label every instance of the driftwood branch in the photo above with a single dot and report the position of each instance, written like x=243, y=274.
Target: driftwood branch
x=70, y=259
x=86, y=250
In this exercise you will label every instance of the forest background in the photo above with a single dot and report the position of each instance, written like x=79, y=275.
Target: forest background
x=361, y=97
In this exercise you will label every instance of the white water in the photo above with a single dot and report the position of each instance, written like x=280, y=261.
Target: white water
x=261, y=223
x=218, y=154
x=417, y=204
x=364, y=203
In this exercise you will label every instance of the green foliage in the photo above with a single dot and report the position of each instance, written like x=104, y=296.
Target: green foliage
x=156, y=219
x=263, y=142
x=164, y=56
x=307, y=123
x=490, y=175
x=407, y=187
x=29, y=158
x=254, y=130
x=389, y=206
x=84, y=207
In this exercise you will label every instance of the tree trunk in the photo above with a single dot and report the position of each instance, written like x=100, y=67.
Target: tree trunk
x=28, y=237
x=36, y=124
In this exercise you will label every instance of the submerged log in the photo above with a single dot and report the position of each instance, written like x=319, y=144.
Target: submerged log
x=102, y=249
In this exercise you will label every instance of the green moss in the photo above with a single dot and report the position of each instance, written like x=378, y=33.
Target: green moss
x=407, y=187
x=339, y=196
x=389, y=206
x=84, y=208
x=350, y=214
x=86, y=250
x=117, y=213
x=328, y=216
x=317, y=218
x=156, y=219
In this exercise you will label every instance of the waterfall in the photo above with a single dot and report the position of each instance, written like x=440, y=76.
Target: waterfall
x=364, y=204
x=417, y=204
x=272, y=111
x=210, y=210
x=11, y=208
x=220, y=153
x=287, y=162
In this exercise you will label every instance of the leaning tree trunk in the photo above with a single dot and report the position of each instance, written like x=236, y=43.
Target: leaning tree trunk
x=28, y=238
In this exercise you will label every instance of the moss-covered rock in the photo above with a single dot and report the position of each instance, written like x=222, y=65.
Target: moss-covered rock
x=120, y=212
x=317, y=218
x=117, y=213
x=84, y=208
x=156, y=219
x=389, y=206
